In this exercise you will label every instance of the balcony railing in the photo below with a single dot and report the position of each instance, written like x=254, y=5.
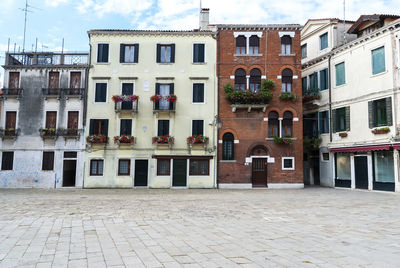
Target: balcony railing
x=11, y=92
x=127, y=106
x=51, y=92
x=46, y=59
x=69, y=133
x=9, y=133
x=73, y=92
x=48, y=133
x=311, y=94
x=164, y=107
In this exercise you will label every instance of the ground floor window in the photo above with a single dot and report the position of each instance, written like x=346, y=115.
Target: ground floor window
x=287, y=163
x=199, y=167
x=96, y=167
x=343, y=166
x=124, y=167
x=163, y=167
x=383, y=166
x=7, y=161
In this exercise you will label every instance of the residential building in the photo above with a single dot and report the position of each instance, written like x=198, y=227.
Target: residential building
x=42, y=120
x=350, y=99
x=151, y=109
x=260, y=139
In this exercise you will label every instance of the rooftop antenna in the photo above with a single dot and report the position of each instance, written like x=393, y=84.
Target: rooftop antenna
x=26, y=10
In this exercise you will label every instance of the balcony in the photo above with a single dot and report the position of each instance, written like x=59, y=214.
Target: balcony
x=47, y=59
x=9, y=133
x=97, y=140
x=249, y=100
x=197, y=141
x=51, y=93
x=126, y=103
x=48, y=133
x=124, y=140
x=311, y=97
x=70, y=133
x=73, y=92
x=164, y=104
x=11, y=93
x=165, y=140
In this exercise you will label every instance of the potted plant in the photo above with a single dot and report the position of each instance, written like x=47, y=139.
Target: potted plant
x=197, y=139
x=122, y=98
x=382, y=130
x=288, y=96
x=263, y=96
x=283, y=141
x=165, y=139
x=96, y=139
x=156, y=98
x=126, y=139
x=47, y=132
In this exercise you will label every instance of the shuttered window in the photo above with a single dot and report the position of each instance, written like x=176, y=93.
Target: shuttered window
x=340, y=74
x=324, y=80
x=11, y=119
x=304, y=84
x=198, y=53
x=127, y=90
x=163, y=167
x=228, y=147
x=378, y=60
x=163, y=127
x=126, y=127
x=313, y=80
x=7, y=161
x=124, y=167
x=98, y=127
x=96, y=167
x=198, y=93
x=199, y=167
x=323, y=41
x=165, y=53
x=51, y=119
x=198, y=127
x=380, y=112
x=341, y=119
x=129, y=53
x=323, y=125
x=102, y=53
x=48, y=161
x=100, y=92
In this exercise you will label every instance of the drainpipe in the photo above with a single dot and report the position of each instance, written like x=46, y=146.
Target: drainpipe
x=216, y=118
x=330, y=99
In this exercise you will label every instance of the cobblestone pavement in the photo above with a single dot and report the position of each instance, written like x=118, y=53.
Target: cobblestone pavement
x=314, y=227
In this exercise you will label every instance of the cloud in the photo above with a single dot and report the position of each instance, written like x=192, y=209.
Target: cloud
x=123, y=7
x=55, y=3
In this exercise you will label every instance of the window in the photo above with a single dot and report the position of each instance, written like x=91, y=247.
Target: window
x=343, y=166
x=96, y=167
x=126, y=127
x=198, y=93
x=129, y=53
x=70, y=154
x=254, y=45
x=313, y=80
x=273, y=124
x=255, y=80
x=51, y=120
x=340, y=74
x=227, y=147
x=48, y=161
x=197, y=127
x=304, y=51
x=286, y=44
x=73, y=122
x=198, y=53
x=54, y=82
x=304, y=84
x=165, y=53
x=100, y=92
x=199, y=167
x=380, y=112
x=75, y=80
x=11, y=120
x=127, y=90
x=378, y=60
x=163, y=167
x=240, y=80
x=98, y=127
x=323, y=41
x=287, y=79
x=323, y=79
x=383, y=166
x=287, y=163
x=325, y=156
x=287, y=124
x=102, y=53
x=163, y=127
x=124, y=167
x=13, y=81
x=323, y=122
x=341, y=119
x=7, y=161
x=164, y=90
x=241, y=45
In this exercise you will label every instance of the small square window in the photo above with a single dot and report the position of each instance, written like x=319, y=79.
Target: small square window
x=163, y=167
x=96, y=167
x=124, y=167
x=287, y=163
x=325, y=156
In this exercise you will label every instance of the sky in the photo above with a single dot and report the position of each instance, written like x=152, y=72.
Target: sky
x=52, y=20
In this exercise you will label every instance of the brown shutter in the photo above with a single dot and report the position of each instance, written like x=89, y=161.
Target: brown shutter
x=73, y=118
x=54, y=78
x=11, y=119
x=51, y=119
x=13, y=80
x=389, y=111
x=75, y=80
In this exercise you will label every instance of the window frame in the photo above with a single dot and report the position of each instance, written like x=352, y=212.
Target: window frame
x=169, y=127
x=338, y=116
x=90, y=167
x=320, y=41
x=226, y=157
x=119, y=167
x=169, y=167
x=51, y=166
x=252, y=48
x=344, y=74
x=120, y=126
x=288, y=158
x=204, y=93
x=241, y=48
x=287, y=124
x=97, y=54
x=271, y=127
x=170, y=55
x=193, y=54
x=322, y=157
x=302, y=49
x=135, y=53
x=198, y=173
x=3, y=161
x=204, y=126
x=286, y=47
x=325, y=123
x=237, y=77
x=384, y=60
x=94, y=95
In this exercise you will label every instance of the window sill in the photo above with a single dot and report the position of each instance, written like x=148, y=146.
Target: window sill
x=291, y=55
x=102, y=63
x=97, y=176
x=199, y=63
x=198, y=103
x=288, y=169
x=227, y=161
x=129, y=63
x=342, y=85
x=165, y=63
x=379, y=74
x=248, y=55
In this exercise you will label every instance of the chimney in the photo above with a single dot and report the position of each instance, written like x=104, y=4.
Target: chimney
x=204, y=18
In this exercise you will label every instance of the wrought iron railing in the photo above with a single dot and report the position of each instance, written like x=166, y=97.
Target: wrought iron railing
x=11, y=92
x=46, y=59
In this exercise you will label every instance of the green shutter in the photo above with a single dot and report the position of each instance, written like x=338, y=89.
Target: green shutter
x=334, y=120
x=322, y=80
x=371, y=114
x=320, y=122
x=316, y=80
x=348, y=118
x=389, y=111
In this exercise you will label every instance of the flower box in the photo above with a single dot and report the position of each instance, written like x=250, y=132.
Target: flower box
x=166, y=139
x=343, y=134
x=124, y=98
x=9, y=133
x=288, y=96
x=197, y=139
x=96, y=139
x=263, y=96
x=283, y=141
x=124, y=139
x=48, y=132
x=382, y=130
x=169, y=98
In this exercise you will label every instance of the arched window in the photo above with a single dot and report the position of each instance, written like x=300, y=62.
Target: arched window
x=240, y=79
x=241, y=45
x=254, y=44
x=287, y=124
x=287, y=79
x=227, y=146
x=286, y=45
x=255, y=80
x=273, y=124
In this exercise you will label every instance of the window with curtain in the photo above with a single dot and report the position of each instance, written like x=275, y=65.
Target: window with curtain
x=287, y=79
x=254, y=44
x=378, y=60
x=163, y=167
x=228, y=147
x=255, y=80
x=323, y=41
x=240, y=80
x=340, y=74
x=241, y=45
x=383, y=166
x=124, y=167
x=287, y=124
x=96, y=167
x=343, y=166
x=286, y=44
x=273, y=124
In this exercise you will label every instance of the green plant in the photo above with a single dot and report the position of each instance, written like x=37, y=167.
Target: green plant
x=288, y=96
x=263, y=96
x=285, y=140
x=311, y=144
x=382, y=130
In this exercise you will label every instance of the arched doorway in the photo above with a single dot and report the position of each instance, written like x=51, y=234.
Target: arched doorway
x=259, y=155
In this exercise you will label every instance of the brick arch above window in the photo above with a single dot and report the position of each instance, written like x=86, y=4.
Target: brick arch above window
x=244, y=67
x=228, y=130
x=258, y=145
x=290, y=109
x=248, y=69
x=295, y=72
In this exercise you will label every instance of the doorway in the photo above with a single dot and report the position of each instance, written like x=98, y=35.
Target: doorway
x=361, y=171
x=141, y=172
x=69, y=173
x=259, y=172
x=179, y=173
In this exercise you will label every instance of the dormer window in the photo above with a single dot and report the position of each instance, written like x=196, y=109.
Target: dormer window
x=286, y=45
x=254, y=44
x=241, y=45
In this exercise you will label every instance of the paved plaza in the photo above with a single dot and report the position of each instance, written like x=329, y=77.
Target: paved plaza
x=314, y=227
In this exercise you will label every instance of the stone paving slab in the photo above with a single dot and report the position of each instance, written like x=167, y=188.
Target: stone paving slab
x=314, y=227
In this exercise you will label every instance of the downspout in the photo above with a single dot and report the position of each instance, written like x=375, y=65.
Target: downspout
x=395, y=82
x=216, y=117
x=330, y=99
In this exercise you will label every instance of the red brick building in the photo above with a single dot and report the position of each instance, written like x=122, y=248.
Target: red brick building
x=260, y=140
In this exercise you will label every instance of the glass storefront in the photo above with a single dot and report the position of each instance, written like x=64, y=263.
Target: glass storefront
x=343, y=171
x=383, y=166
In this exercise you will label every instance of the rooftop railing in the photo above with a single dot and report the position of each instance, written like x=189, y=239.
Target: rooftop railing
x=46, y=59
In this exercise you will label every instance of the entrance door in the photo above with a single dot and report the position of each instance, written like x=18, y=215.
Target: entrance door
x=259, y=172
x=361, y=172
x=179, y=173
x=141, y=167
x=69, y=173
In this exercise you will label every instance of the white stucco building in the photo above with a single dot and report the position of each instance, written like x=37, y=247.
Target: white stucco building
x=350, y=77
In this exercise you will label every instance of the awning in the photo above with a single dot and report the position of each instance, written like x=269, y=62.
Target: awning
x=182, y=156
x=396, y=146
x=361, y=148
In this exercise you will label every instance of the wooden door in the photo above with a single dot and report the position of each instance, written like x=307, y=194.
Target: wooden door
x=11, y=120
x=69, y=173
x=141, y=167
x=54, y=79
x=72, y=125
x=51, y=119
x=259, y=172
x=179, y=173
x=75, y=80
x=361, y=172
x=13, y=80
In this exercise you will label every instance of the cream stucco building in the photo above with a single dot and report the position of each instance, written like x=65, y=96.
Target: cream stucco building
x=165, y=138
